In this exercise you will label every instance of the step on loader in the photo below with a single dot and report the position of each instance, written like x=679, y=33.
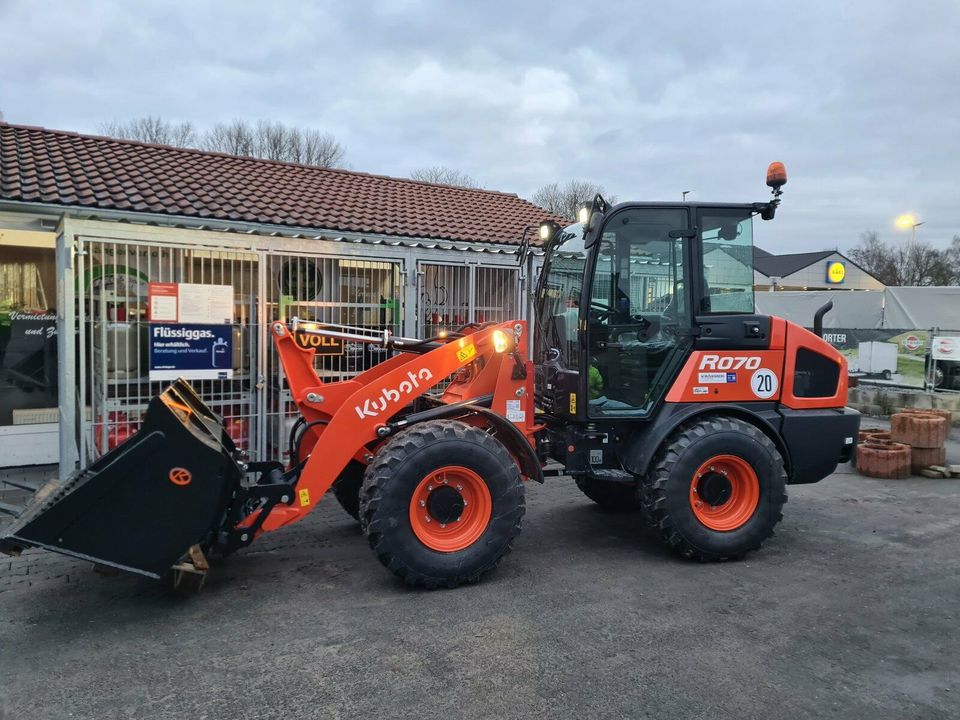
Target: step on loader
x=653, y=384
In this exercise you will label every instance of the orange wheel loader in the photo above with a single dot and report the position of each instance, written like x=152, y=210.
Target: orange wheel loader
x=653, y=384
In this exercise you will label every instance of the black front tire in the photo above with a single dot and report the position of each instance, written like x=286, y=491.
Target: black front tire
x=666, y=491
x=390, y=484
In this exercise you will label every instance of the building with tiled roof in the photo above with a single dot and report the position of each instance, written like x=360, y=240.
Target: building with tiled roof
x=80, y=171
x=90, y=227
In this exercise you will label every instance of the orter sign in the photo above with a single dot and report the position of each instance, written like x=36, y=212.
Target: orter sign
x=195, y=352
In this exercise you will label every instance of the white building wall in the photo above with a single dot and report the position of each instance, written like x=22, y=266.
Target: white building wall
x=814, y=277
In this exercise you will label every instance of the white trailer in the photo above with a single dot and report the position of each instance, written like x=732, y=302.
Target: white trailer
x=877, y=358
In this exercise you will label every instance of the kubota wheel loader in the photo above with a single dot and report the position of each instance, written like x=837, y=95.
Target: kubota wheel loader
x=653, y=384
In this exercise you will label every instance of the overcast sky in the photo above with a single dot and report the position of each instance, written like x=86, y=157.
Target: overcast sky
x=859, y=99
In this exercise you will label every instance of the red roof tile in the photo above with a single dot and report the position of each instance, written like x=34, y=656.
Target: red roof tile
x=65, y=168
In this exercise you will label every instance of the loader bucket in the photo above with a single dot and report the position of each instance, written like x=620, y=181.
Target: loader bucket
x=141, y=506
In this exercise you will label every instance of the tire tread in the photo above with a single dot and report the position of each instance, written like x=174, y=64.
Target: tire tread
x=653, y=489
x=383, y=467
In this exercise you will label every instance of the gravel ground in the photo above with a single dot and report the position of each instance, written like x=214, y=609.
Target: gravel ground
x=850, y=611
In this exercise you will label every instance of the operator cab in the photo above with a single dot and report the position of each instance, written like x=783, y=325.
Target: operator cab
x=622, y=297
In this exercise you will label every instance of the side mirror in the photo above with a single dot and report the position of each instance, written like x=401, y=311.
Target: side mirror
x=592, y=219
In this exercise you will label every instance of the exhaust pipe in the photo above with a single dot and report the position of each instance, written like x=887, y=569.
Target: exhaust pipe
x=818, y=318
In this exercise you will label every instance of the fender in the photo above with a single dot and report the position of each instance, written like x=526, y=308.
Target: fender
x=638, y=455
x=507, y=433
x=516, y=442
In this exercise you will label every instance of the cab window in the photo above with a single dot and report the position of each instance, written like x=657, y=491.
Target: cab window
x=727, y=237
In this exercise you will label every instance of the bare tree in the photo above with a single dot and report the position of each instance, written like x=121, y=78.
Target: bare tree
x=443, y=175
x=876, y=257
x=912, y=263
x=152, y=129
x=923, y=264
x=233, y=138
x=567, y=199
x=313, y=147
x=953, y=259
x=271, y=140
x=263, y=139
x=275, y=141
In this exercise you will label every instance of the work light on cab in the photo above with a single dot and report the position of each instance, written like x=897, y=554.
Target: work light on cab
x=547, y=230
x=776, y=175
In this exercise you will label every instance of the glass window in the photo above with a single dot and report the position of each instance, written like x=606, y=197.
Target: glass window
x=637, y=323
x=640, y=267
x=28, y=336
x=559, y=299
x=727, y=237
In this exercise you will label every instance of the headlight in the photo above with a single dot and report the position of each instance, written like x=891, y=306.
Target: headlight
x=500, y=341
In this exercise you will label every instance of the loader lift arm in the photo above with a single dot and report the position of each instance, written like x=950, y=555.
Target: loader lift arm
x=348, y=419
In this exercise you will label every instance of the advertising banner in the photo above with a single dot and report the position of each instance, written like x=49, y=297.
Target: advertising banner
x=895, y=355
x=194, y=352
x=191, y=331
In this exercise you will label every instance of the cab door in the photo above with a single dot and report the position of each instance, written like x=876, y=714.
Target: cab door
x=638, y=318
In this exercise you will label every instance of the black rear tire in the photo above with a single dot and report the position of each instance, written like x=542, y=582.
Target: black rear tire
x=613, y=496
x=346, y=488
x=666, y=493
x=389, y=494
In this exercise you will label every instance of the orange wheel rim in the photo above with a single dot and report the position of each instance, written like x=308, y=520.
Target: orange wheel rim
x=724, y=492
x=450, y=509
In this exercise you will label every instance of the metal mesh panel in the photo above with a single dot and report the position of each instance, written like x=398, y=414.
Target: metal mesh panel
x=450, y=296
x=111, y=284
x=444, y=298
x=497, y=294
x=341, y=291
x=112, y=361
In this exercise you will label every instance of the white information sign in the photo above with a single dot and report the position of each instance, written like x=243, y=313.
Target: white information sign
x=944, y=347
x=163, y=308
x=205, y=304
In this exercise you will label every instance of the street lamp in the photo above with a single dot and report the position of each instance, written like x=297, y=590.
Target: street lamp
x=909, y=221
x=683, y=195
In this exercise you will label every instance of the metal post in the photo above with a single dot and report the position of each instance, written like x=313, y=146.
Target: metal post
x=66, y=349
x=258, y=365
x=411, y=276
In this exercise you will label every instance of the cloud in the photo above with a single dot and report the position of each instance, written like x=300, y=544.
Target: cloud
x=645, y=98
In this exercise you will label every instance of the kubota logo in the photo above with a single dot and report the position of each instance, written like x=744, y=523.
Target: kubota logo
x=180, y=476
x=373, y=408
x=729, y=362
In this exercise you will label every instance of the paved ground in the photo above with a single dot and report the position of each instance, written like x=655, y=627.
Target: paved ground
x=851, y=611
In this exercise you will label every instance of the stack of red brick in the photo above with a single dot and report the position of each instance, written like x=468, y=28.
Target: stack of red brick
x=915, y=444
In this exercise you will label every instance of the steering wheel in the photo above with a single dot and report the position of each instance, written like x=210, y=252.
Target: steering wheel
x=601, y=312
